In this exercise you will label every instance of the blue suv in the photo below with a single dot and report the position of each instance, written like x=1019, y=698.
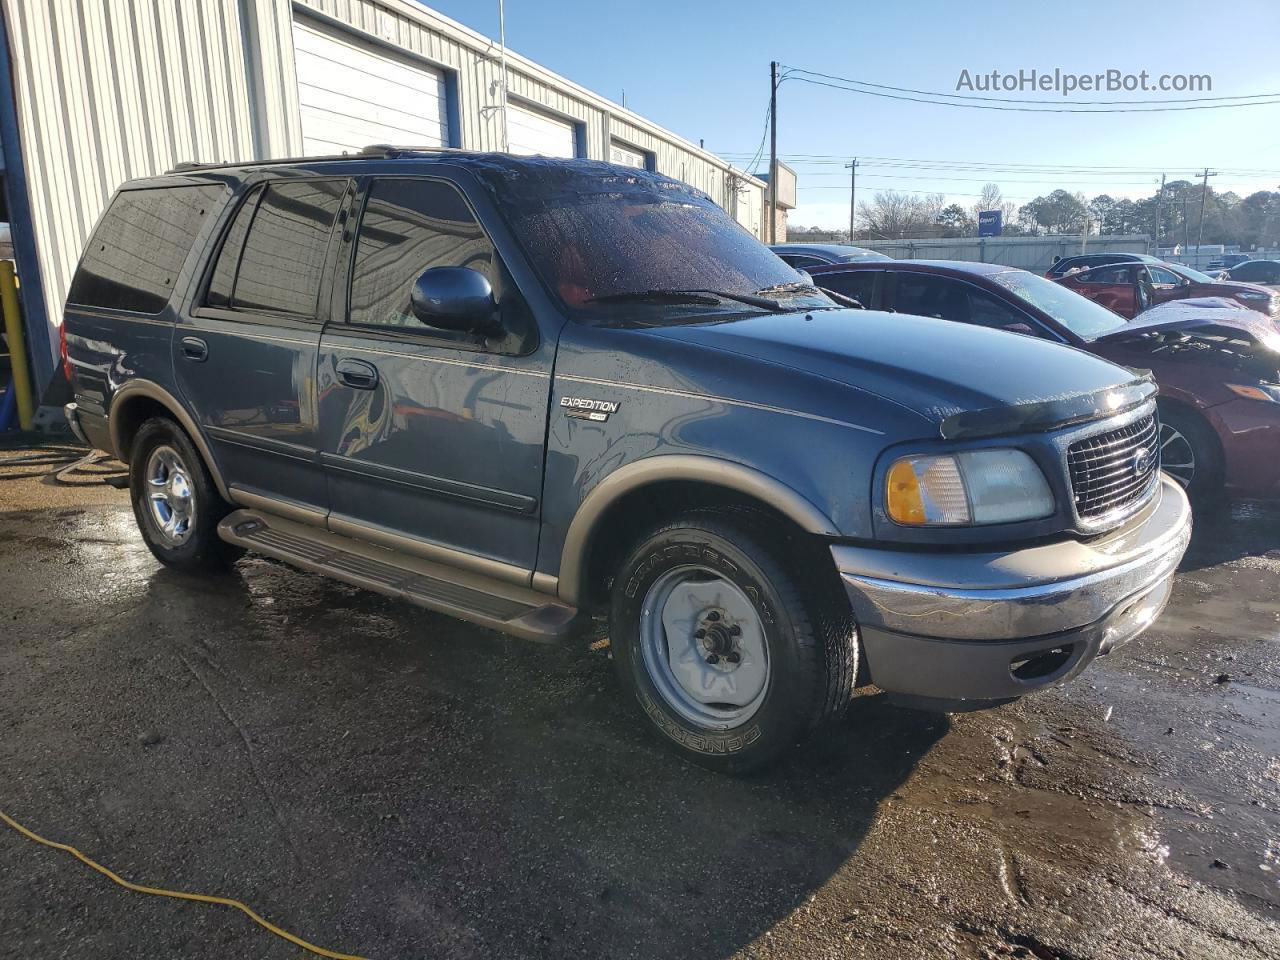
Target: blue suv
x=522, y=391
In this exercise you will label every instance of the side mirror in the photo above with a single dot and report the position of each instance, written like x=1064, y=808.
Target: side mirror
x=455, y=298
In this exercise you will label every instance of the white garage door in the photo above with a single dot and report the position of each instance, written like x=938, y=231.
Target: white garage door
x=626, y=155
x=355, y=93
x=531, y=131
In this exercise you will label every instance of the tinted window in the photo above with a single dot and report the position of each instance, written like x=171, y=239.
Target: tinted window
x=859, y=284
x=284, y=249
x=802, y=261
x=224, y=271
x=410, y=226
x=931, y=296
x=1117, y=274
x=1160, y=275
x=135, y=255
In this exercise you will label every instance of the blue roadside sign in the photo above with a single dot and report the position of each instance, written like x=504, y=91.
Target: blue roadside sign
x=990, y=223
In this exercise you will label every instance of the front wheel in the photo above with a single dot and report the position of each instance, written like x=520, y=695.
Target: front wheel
x=1190, y=453
x=735, y=644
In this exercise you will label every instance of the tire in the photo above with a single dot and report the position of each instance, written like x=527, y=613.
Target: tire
x=164, y=462
x=1191, y=454
x=717, y=571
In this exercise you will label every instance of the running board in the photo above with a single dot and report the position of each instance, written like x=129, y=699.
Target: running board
x=478, y=599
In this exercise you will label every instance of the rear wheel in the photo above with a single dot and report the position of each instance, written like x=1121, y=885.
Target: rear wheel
x=175, y=501
x=733, y=645
x=1190, y=453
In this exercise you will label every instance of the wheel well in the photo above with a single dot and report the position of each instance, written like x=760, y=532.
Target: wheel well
x=1189, y=410
x=131, y=414
x=634, y=513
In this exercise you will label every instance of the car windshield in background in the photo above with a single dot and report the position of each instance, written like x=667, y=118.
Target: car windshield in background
x=1086, y=319
x=613, y=244
x=1193, y=275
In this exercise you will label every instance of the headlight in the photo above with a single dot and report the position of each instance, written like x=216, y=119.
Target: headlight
x=977, y=486
x=1257, y=391
x=1251, y=295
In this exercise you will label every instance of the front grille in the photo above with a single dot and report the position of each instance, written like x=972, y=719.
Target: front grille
x=1114, y=470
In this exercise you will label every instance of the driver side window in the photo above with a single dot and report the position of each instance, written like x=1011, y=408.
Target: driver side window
x=410, y=226
x=1161, y=275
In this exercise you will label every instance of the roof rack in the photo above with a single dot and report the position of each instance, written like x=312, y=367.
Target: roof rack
x=383, y=151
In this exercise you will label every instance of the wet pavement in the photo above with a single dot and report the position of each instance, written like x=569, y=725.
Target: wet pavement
x=391, y=783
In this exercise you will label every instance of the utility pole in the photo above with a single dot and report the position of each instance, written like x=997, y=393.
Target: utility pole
x=1159, y=213
x=853, y=193
x=773, y=151
x=1204, y=190
x=502, y=41
x=1186, y=226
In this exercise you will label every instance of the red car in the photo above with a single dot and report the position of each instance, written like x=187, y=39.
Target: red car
x=1218, y=366
x=1131, y=288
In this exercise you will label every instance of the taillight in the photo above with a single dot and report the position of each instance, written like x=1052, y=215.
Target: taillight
x=62, y=351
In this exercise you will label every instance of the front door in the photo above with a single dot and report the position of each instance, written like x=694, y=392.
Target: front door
x=246, y=360
x=432, y=441
x=1165, y=285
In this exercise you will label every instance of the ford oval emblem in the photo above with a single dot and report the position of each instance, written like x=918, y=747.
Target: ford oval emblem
x=1143, y=461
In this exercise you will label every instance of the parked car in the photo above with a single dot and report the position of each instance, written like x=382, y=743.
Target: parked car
x=521, y=390
x=1130, y=288
x=1225, y=262
x=1264, y=273
x=1084, y=261
x=806, y=255
x=1218, y=366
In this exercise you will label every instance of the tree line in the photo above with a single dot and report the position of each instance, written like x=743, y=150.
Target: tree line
x=1173, y=216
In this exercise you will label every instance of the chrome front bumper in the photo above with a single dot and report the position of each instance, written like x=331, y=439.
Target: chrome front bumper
x=990, y=626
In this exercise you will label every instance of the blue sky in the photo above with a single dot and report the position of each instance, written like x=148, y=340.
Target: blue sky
x=701, y=70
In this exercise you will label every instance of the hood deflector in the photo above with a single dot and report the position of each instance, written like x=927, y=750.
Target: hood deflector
x=1049, y=414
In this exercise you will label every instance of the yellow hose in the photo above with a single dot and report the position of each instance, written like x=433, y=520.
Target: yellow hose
x=17, y=349
x=178, y=895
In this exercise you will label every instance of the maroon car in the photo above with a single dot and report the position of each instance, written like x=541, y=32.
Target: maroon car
x=1131, y=288
x=1218, y=366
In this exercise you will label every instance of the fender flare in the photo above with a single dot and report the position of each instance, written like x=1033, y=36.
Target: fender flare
x=153, y=391
x=688, y=467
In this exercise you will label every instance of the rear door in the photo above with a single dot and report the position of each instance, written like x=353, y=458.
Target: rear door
x=434, y=445
x=246, y=357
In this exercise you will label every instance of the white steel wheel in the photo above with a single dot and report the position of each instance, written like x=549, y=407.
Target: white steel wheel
x=704, y=648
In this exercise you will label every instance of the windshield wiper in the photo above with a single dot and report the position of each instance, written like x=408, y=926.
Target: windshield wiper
x=800, y=286
x=707, y=297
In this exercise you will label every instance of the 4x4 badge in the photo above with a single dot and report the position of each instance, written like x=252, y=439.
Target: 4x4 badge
x=582, y=409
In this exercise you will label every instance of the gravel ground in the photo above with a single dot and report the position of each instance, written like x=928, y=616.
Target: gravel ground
x=392, y=783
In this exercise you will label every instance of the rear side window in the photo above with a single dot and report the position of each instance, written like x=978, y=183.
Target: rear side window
x=275, y=248
x=410, y=226
x=135, y=255
x=1117, y=274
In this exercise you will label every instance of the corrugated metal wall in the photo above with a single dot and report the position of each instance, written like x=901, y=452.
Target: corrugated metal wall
x=110, y=91
x=116, y=89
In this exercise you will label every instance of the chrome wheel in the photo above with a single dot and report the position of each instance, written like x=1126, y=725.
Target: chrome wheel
x=170, y=498
x=704, y=647
x=1177, y=455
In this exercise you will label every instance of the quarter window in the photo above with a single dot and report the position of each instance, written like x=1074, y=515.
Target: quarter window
x=410, y=226
x=275, y=248
x=135, y=255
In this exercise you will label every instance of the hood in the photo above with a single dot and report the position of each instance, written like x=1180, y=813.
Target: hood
x=1202, y=314
x=940, y=369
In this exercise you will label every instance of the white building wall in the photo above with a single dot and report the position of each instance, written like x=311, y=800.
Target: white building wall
x=107, y=92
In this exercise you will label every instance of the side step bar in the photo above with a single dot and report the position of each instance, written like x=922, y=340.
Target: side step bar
x=491, y=603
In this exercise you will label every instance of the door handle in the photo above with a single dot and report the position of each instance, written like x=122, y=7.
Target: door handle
x=357, y=373
x=193, y=348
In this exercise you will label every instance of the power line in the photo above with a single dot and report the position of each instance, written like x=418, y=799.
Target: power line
x=1042, y=109
x=1012, y=165
x=966, y=96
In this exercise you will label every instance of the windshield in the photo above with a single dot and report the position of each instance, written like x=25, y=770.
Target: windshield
x=1086, y=319
x=617, y=243
x=1193, y=275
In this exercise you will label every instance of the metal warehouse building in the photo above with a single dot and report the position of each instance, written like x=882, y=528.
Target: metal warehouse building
x=94, y=94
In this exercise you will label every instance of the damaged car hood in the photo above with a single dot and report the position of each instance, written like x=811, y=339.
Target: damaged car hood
x=968, y=380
